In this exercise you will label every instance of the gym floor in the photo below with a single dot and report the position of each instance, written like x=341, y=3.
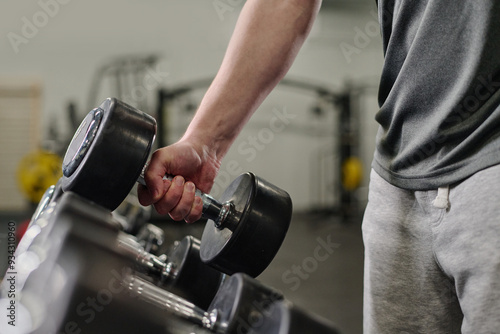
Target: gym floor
x=319, y=266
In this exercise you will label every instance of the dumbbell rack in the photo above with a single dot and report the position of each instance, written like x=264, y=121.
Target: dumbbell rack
x=84, y=280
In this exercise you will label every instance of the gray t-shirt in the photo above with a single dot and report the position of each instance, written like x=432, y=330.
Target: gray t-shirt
x=439, y=92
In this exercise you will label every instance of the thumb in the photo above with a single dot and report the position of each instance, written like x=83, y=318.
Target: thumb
x=154, y=176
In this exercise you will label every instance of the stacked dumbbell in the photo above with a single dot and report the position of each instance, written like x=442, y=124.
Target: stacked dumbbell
x=243, y=233
x=80, y=238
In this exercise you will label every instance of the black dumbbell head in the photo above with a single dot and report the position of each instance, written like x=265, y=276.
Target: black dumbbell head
x=108, y=152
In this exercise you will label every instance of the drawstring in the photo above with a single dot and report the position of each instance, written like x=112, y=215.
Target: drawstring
x=441, y=201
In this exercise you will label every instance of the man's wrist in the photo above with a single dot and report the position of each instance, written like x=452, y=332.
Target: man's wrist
x=206, y=144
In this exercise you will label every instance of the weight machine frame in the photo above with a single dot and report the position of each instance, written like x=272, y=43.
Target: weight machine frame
x=347, y=130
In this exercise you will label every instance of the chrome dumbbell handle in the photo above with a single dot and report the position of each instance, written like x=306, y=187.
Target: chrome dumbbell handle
x=168, y=301
x=151, y=264
x=212, y=209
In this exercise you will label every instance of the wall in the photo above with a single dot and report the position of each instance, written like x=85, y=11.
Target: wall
x=62, y=42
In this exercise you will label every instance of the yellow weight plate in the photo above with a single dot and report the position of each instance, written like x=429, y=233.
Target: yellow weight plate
x=36, y=172
x=352, y=173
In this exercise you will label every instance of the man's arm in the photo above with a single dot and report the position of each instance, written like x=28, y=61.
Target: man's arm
x=266, y=40
x=267, y=37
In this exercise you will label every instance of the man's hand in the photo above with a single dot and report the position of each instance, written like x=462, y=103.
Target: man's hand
x=193, y=166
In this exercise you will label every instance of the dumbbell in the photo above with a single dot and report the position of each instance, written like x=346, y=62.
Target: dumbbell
x=107, y=155
x=238, y=300
x=69, y=280
x=80, y=233
x=133, y=217
x=242, y=305
x=180, y=271
x=44, y=203
x=245, y=305
x=151, y=238
x=51, y=195
x=37, y=221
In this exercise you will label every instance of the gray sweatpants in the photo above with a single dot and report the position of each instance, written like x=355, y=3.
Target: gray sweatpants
x=432, y=263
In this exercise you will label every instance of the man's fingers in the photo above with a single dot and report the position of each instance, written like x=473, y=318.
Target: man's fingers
x=195, y=212
x=153, y=176
x=145, y=197
x=183, y=207
x=171, y=197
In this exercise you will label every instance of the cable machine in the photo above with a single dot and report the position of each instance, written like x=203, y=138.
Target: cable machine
x=348, y=169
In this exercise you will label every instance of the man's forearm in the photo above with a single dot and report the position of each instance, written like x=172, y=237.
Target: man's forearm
x=266, y=40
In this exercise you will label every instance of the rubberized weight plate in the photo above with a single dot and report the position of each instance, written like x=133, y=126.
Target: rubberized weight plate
x=242, y=302
x=257, y=225
x=191, y=278
x=107, y=153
